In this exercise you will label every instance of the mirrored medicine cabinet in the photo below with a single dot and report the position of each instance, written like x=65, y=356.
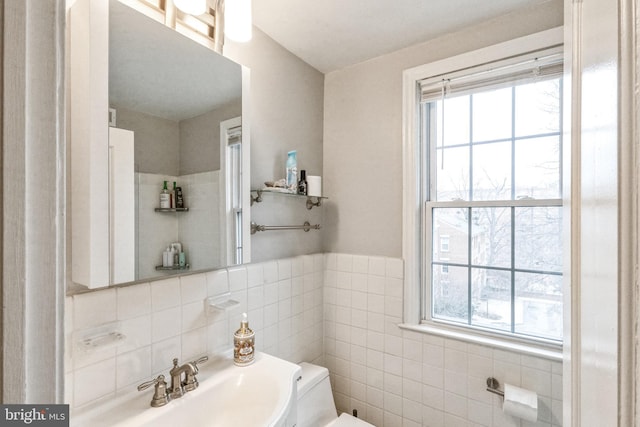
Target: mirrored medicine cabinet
x=176, y=112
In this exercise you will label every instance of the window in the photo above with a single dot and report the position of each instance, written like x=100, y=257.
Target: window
x=491, y=142
x=234, y=153
x=231, y=219
x=444, y=243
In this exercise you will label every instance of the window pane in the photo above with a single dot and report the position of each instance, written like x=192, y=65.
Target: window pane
x=491, y=298
x=537, y=108
x=451, y=293
x=491, y=242
x=451, y=227
x=491, y=115
x=456, y=121
x=495, y=263
x=538, y=305
x=492, y=171
x=538, y=238
x=538, y=168
x=452, y=172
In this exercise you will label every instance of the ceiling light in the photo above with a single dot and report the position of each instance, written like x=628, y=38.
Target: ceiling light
x=237, y=20
x=192, y=7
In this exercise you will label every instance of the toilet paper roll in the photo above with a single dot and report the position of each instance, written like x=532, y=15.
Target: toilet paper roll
x=520, y=403
x=314, y=186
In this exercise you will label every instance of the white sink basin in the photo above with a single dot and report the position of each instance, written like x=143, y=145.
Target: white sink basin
x=261, y=394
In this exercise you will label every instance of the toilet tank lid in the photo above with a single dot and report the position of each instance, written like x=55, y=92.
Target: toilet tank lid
x=310, y=377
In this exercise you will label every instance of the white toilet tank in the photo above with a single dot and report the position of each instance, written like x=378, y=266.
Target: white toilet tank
x=316, y=407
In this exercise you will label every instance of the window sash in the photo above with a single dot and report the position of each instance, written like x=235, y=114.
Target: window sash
x=465, y=82
x=429, y=263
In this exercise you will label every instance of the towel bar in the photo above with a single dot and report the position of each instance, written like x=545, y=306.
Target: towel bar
x=306, y=227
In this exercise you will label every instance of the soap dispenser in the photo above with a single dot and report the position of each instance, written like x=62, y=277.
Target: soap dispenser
x=243, y=343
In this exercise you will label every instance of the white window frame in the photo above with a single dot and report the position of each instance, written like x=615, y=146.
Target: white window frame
x=231, y=240
x=413, y=252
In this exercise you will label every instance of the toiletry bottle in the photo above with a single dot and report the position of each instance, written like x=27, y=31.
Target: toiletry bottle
x=165, y=257
x=165, y=200
x=243, y=343
x=176, y=248
x=173, y=196
x=170, y=253
x=292, y=171
x=302, y=184
x=179, y=199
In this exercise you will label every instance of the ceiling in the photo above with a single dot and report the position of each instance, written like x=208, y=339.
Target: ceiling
x=333, y=34
x=155, y=70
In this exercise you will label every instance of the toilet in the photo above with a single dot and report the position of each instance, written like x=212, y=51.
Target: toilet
x=316, y=407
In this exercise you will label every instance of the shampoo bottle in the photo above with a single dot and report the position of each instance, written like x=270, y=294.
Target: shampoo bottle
x=179, y=199
x=243, y=343
x=167, y=257
x=173, y=196
x=165, y=198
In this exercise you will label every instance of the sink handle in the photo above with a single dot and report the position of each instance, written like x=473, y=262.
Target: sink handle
x=147, y=384
x=199, y=362
x=160, y=396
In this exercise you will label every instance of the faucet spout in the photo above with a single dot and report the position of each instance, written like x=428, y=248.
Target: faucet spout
x=191, y=382
x=189, y=370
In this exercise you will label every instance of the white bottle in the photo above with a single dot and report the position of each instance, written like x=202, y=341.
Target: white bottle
x=165, y=258
x=170, y=255
x=165, y=198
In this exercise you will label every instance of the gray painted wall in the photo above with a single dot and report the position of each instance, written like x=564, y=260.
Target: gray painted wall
x=157, y=141
x=200, y=139
x=164, y=146
x=363, y=132
x=286, y=114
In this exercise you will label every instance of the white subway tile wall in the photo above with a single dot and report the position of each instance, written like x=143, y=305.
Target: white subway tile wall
x=169, y=318
x=395, y=377
x=337, y=310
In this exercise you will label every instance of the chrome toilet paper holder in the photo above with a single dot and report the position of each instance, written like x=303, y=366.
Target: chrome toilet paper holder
x=493, y=386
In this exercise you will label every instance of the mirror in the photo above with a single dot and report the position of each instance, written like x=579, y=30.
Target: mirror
x=174, y=94
x=175, y=116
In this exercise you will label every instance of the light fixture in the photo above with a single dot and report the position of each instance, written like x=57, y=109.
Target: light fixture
x=237, y=20
x=192, y=7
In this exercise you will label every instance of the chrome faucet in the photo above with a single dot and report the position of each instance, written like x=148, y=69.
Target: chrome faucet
x=164, y=394
x=190, y=369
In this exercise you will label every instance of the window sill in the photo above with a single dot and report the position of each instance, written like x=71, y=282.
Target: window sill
x=551, y=352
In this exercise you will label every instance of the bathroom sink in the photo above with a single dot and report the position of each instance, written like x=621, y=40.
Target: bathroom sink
x=261, y=394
